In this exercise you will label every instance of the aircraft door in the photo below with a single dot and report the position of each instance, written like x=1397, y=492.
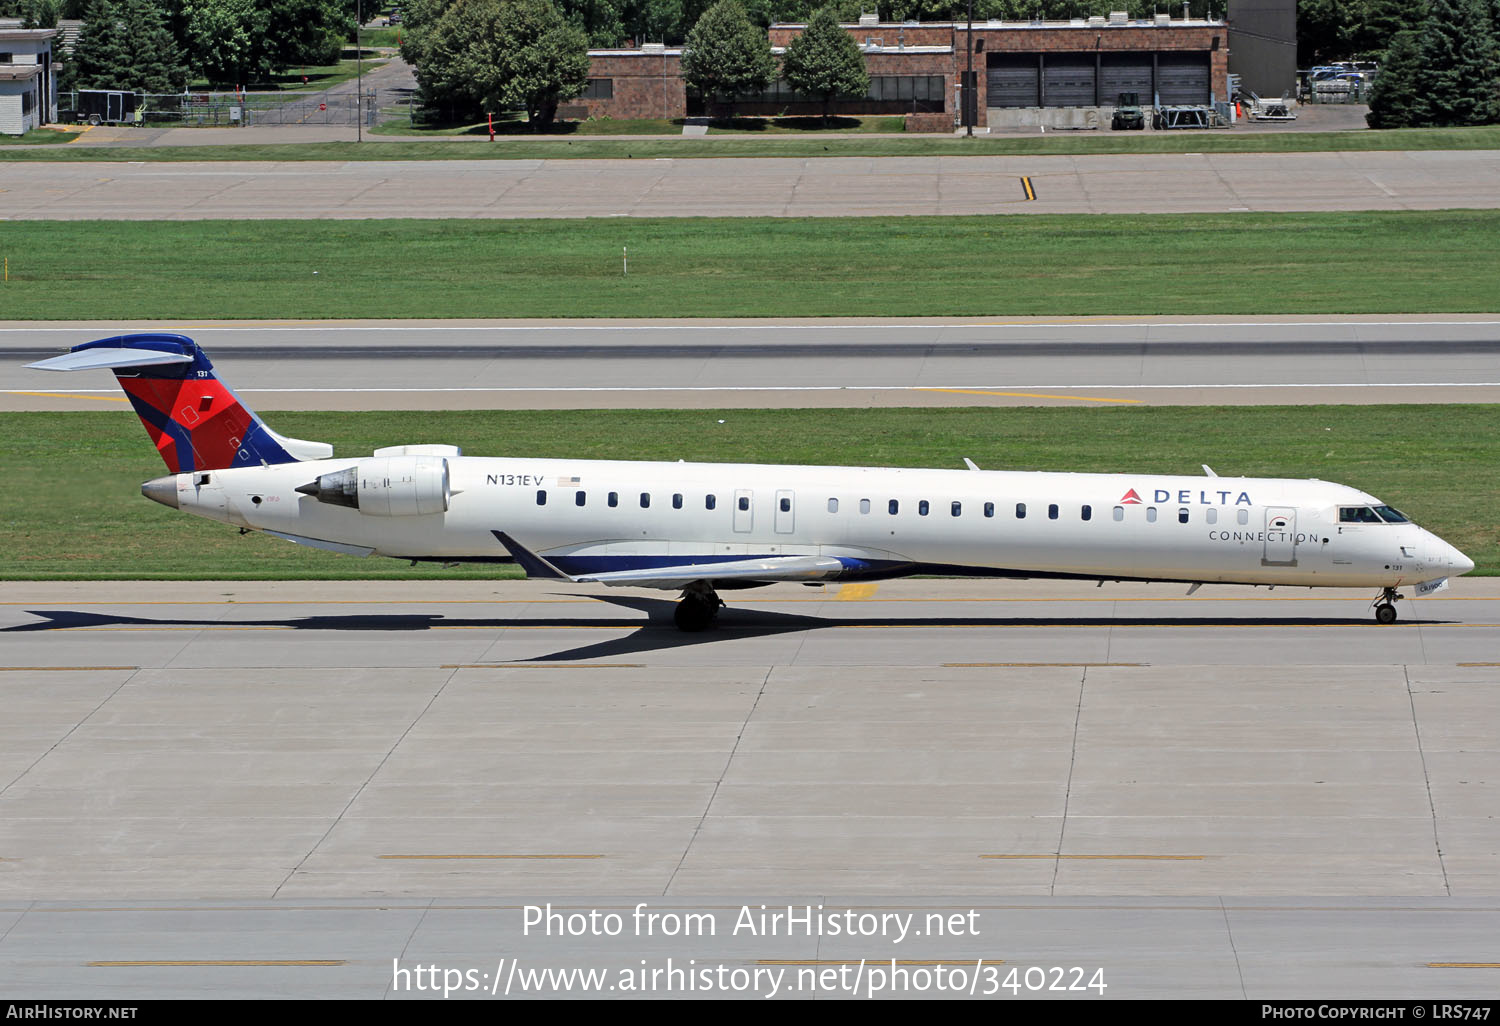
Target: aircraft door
x=1281, y=537
x=786, y=509
x=744, y=510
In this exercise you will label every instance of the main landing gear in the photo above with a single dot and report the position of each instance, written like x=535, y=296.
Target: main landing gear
x=698, y=609
x=1385, y=606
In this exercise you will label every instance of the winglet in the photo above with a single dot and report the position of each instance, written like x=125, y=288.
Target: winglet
x=534, y=565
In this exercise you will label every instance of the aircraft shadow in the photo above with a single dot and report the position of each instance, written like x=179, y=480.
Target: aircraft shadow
x=658, y=633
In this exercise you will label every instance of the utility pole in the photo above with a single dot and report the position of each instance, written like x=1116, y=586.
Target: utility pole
x=970, y=100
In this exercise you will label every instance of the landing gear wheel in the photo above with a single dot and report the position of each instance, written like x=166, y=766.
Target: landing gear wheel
x=695, y=613
x=1385, y=605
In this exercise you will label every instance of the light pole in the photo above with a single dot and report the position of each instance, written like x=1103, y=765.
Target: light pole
x=359, y=72
x=970, y=100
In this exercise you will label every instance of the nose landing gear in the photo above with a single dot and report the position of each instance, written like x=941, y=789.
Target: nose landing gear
x=1385, y=606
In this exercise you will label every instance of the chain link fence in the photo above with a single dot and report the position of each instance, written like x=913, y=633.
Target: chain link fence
x=243, y=109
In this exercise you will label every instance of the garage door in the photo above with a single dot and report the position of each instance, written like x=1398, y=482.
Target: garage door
x=1070, y=79
x=1125, y=73
x=1012, y=80
x=1182, y=77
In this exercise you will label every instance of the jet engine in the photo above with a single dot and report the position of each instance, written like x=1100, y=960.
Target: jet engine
x=387, y=486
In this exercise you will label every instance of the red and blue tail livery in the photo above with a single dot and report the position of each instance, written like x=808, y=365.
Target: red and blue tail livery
x=195, y=420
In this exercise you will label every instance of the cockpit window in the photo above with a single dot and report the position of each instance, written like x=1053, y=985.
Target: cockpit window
x=1358, y=515
x=1392, y=515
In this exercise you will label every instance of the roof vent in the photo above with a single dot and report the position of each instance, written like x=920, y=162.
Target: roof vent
x=1162, y=18
x=653, y=47
x=1119, y=17
x=1096, y=20
x=869, y=19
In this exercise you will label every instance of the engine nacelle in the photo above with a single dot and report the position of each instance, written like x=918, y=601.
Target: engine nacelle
x=387, y=486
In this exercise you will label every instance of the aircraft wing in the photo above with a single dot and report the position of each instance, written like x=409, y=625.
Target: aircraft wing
x=764, y=568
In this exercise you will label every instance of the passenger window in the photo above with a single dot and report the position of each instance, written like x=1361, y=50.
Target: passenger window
x=989, y=509
x=833, y=505
x=958, y=509
x=710, y=501
x=579, y=498
x=645, y=500
x=1087, y=512
x=1020, y=511
x=1119, y=512
x=744, y=503
x=786, y=505
x=677, y=500
x=1242, y=516
x=893, y=507
x=614, y=499
x=1052, y=511
x=922, y=508
x=1182, y=515
x=1211, y=515
x=864, y=505
x=541, y=497
x=1150, y=514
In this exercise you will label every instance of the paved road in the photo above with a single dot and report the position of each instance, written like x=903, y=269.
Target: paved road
x=1390, y=950
x=275, y=740
x=761, y=187
x=834, y=363
x=285, y=772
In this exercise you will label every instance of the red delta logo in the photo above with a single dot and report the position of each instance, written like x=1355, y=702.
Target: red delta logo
x=1131, y=498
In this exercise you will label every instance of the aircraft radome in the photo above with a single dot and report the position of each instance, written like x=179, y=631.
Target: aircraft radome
x=701, y=528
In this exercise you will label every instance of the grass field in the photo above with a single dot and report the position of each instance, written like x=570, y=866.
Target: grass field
x=1353, y=262
x=39, y=137
x=799, y=145
x=71, y=508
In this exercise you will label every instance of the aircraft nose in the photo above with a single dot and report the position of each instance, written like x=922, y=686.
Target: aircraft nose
x=1460, y=563
x=162, y=490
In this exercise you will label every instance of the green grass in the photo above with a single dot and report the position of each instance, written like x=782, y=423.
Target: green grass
x=1339, y=262
x=799, y=145
x=39, y=137
x=379, y=36
x=318, y=77
x=71, y=508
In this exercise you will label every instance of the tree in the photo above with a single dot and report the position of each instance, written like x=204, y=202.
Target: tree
x=491, y=55
x=226, y=40
x=1444, y=73
x=1393, y=99
x=306, y=33
x=726, y=54
x=127, y=45
x=825, y=61
x=544, y=59
x=39, y=14
x=1461, y=66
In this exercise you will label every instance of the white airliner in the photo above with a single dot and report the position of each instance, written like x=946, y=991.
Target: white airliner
x=705, y=527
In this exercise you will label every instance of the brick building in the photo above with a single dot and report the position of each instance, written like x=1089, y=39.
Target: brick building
x=1064, y=74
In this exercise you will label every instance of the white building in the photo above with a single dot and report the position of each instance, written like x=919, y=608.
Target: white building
x=28, y=80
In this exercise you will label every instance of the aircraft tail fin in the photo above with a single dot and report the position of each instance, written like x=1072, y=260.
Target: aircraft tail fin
x=195, y=420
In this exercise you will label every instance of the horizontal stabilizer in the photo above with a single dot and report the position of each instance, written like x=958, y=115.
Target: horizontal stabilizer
x=95, y=359
x=766, y=568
